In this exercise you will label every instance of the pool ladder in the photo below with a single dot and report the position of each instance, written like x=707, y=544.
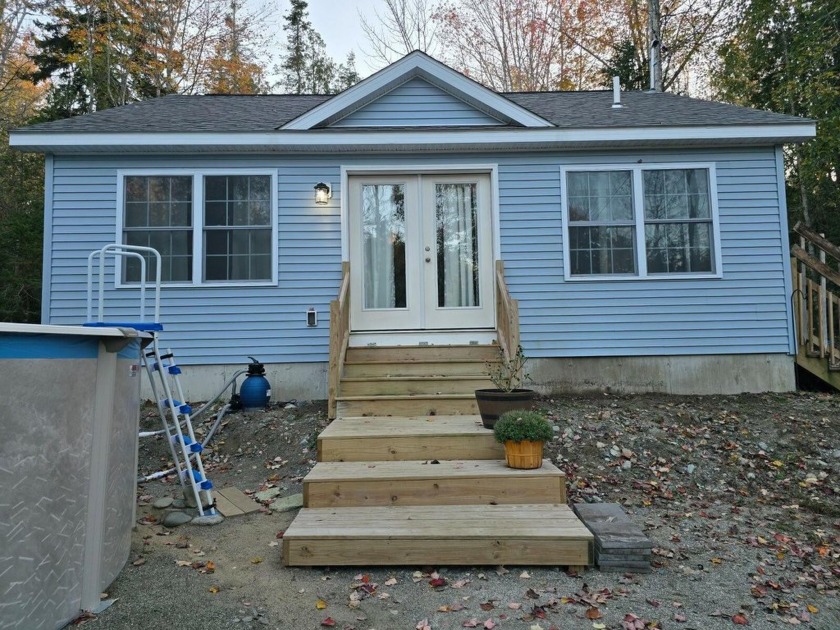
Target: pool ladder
x=177, y=423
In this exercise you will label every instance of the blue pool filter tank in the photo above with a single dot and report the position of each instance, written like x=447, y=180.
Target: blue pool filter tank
x=256, y=390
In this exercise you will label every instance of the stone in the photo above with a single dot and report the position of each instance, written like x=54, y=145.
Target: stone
x=163, y=503
x=174, y=519
x=179, y=504
x=292, y=502
x=267, y=495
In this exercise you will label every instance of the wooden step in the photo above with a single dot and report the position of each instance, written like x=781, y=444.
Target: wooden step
x=373, y=439
x=490, y=482
x=412, y=385
x=419, y=405
x=416, y=368
x=411, y=354
x=439, y=535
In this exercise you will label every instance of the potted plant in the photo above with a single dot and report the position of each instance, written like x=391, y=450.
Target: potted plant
x=508, y=375
x=523, y=433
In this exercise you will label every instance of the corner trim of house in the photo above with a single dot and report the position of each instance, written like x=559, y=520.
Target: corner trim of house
x=783, y=218
x=46, y=271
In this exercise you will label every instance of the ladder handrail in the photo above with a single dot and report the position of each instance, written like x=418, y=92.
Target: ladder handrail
x=124, y=251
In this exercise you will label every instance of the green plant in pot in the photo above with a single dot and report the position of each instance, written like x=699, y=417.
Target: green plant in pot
x=508, y=375
x=523, y=433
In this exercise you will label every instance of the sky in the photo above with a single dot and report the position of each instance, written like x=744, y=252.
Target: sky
x=338, y=23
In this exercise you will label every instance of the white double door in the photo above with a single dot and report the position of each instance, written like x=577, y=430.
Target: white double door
x=420, y=252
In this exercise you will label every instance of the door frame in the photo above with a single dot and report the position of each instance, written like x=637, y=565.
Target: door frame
x=423, y=169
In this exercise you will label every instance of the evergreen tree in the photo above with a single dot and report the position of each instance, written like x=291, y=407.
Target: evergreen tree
x=306, y=67
x=346, y=75
x=626, y=64
x=91, y=54
x=785, y=57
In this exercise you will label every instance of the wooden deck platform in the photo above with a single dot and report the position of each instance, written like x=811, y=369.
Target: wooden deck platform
x=442, y=535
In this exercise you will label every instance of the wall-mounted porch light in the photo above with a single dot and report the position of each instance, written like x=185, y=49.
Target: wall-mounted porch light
x=323, y=193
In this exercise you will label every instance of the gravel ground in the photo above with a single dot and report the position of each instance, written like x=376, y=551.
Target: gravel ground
x=739, y=495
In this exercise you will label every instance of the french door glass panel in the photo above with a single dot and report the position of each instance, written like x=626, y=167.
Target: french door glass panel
x=456, y=231
x=383, y=233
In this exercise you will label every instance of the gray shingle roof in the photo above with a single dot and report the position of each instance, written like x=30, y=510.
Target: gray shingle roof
x=265, y=113
x=640, y=109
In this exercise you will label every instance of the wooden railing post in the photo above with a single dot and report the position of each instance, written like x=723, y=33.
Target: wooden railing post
x=507, y=315
x=339, y=338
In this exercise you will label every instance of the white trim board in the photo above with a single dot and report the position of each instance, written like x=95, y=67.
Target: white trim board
x=488, y=138
x=423, y=337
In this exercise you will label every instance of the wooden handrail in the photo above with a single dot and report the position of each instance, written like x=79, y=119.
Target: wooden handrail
x=820, y=241
x=507, y=315
x=820, y=267
x=339, y=338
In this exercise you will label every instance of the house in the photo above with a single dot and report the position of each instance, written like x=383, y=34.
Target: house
x=378, y=246
x=644, y=235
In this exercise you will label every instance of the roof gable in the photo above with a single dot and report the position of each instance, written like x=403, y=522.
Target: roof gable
x=417, y=65
x=417, y=103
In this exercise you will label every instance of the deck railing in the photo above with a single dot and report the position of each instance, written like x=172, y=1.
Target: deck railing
x=507, y=315
x=816, y=287
x=339, y=337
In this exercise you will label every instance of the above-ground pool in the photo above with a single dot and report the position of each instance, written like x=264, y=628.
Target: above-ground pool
x=69, y=410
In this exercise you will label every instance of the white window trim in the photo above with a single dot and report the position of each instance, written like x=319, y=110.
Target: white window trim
x=638, y=213
x=198, y=223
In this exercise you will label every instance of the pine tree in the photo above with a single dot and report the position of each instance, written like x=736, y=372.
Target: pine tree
x=306, y=67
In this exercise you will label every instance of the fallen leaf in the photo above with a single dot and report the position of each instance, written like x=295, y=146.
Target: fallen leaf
x=525, y=575
x=470, y=623
x=500, y=570
x=514, y=605
x=460, y=583
x=437, y=582
x=598, y=626
x=813, y=609
x=485, y=606
x=183, y=563
x=390, y=581
x=423, y=625
x=532, y=594
x=740, y=620
x=213, y=589
x=329, y=621
x=489, y=624
x=255, y=560
x=320, y=604
x=139, y=562
x=679, y=618
x=593, y=613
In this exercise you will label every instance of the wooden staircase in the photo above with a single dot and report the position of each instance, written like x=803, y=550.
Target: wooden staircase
x=407, y=474
x=816, y=305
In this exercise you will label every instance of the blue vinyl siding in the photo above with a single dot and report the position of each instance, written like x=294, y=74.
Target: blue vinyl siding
x=745, y=311
x=416, y=103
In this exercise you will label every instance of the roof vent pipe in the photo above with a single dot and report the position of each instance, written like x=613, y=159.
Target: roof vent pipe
x=616, y=94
